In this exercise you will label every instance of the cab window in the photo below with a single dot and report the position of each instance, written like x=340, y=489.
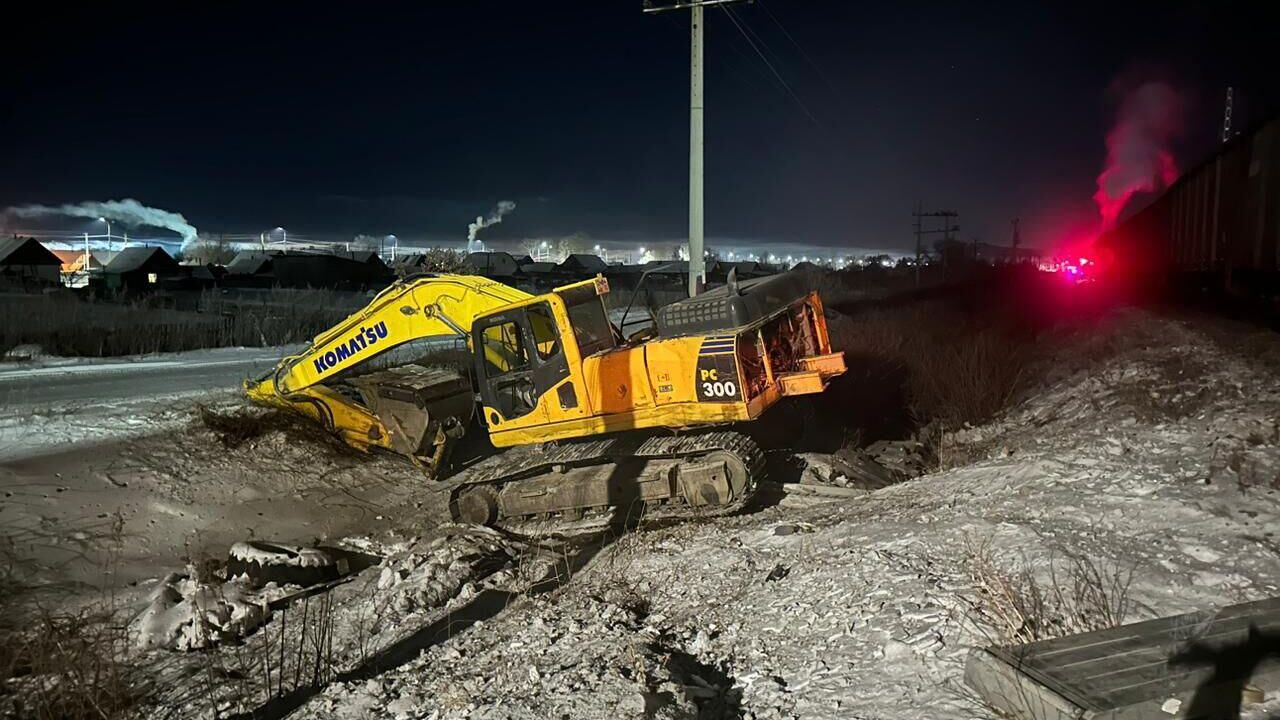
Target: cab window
x=543, y=326
x=504, y=349
x=591, y=327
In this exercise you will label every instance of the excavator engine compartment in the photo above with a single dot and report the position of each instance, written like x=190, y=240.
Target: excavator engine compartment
x=735, y=305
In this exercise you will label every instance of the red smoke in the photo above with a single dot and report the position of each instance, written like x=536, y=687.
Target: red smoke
x=1138, y=155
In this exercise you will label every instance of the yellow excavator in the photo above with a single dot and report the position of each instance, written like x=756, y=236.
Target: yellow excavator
x=654, y=420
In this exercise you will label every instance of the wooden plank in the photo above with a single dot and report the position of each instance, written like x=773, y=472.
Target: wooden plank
x=1004, y=687
x=1124, y=673
x=830, y=491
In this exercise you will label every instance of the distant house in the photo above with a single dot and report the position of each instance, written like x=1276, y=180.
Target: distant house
x=24, y=261
x=497, y=265
x=540, y=269
x=348, y=271
x=207, y=274
x=523, y=260
x=410, y=264
x=73, y=261
x=376, y=271
x=807, y=267
x=140, y=269
x=248, y=262
x=743, y=270
x=583, y=266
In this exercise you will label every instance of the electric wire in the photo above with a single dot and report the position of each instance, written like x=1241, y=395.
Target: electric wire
x=799, y=48
x=787, y=87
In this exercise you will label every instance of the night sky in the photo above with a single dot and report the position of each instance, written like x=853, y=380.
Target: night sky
x=413, y=118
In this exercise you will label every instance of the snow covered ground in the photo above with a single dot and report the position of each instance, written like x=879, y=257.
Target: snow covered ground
x=1150, y=457
x=53, y=402
x=1161, y=462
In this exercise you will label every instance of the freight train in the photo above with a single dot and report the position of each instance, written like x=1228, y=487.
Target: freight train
x=1217, y=227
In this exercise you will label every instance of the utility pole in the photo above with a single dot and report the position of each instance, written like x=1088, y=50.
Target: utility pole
x=947, y=228
x=1017, y=240
x=1226, y=115
x=919, y=215
x=696, y=8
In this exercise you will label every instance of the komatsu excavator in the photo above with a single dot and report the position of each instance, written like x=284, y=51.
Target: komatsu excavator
x=653, y=421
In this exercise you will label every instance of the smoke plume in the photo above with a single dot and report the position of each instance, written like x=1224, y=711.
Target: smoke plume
x=495, y=216
x=126, y=212
x=1138, y=155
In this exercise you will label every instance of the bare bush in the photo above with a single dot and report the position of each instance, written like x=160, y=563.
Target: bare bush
x=65, y=664
x=439, y=260
x=68, y=665
x=1080, y=594
x=956, y=371
x=237, y=426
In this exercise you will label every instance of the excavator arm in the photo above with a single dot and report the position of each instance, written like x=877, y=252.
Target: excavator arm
x=378, y=409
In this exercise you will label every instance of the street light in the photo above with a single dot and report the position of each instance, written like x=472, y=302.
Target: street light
x=108, y=222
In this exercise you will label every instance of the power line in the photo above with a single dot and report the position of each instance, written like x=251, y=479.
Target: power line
x=775, y=58
x=774, y=70
x=803, y=53
x=741, y=75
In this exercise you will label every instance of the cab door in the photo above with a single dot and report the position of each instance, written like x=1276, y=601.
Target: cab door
x=521, y=366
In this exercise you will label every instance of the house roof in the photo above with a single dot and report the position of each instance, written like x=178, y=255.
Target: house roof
x=539, y=267
x=627, y=269
x=369, y=257
x=248, y=263
x=133, y=258
x=75, y=258
x=26, y=251
x=208, y=272
x=584, y=261
x=492, y=263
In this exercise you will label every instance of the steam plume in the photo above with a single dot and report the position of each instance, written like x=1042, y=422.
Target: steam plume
x=1138, y=155
x=495, y=216
x=127, y=212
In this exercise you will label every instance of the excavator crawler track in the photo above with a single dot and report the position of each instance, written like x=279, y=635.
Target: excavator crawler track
x=587, y=485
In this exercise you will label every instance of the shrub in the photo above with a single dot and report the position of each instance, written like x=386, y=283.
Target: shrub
x=1080, y=594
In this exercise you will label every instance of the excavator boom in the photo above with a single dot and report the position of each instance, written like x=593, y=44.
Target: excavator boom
x=408, y=319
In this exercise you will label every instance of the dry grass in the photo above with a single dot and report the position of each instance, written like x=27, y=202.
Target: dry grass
x=66, y=325
x=1079, y=594
x=236, y=426
x=962, y=353
x=955, y=370
x=68, y=665
x=65, y=664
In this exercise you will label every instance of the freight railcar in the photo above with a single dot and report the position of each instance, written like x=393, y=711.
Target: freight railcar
x=1218, y=226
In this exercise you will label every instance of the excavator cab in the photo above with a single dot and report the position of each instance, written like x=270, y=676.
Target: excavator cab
x=523, y=353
